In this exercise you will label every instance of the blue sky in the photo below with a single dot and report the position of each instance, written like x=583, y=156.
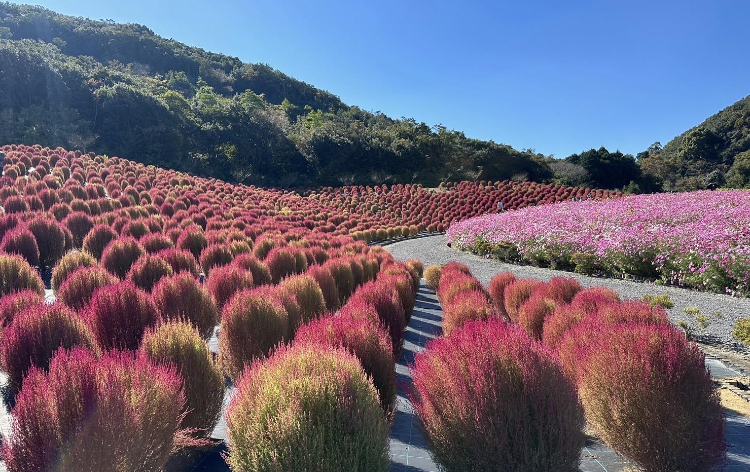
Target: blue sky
x=555, y=76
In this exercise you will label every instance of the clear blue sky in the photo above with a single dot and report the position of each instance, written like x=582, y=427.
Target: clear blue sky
x=556, y=76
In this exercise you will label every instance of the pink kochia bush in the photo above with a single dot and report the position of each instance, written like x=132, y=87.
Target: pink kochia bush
x=516, y=293
x=497, y=289
x=118, y=315
x=120, y=255
x=35, y=334
x=21, y=241
x=225, y=281
x=384, y=298
x=78, y=288
x=69, y=263
x=470, y=305
x=118, y=413
x=308, y=294
x=281, y=263
x=310, y=407
x=13, y=304
x=491, y=398
x=327, y=285
x=367, y=340
x=181, y=298
x=647, y=392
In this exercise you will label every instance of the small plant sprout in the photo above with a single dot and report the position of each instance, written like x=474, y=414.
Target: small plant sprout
x=664, y=301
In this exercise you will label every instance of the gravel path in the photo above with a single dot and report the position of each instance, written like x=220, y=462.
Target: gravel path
x=722, y=311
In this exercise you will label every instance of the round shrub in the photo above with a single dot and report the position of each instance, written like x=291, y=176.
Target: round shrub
x=432, y=276
x=308, y=294
x=454, y=267
x=89, y=414
x=78, y=288
x=148, y=270
x=181, y=298
x=180, y=345
x=16, y=275
x=217, y=255
x=647, y=392
x=417, y=266
x=559, y=289
x=261, y=274
x=225, y=281
x=281, y=263
x=516, y=293
x=456, y=283
x=306, y=408
x=50, y=238
x=591, y=299
x=402, y=283
x=497, y=289
x=342, y=274
x=360, y=310
x=251, y=325
x=532, y=314
x=69, y=263
x=288, y=302
x=505, y=406
x=21, y=241
x=192, y=240
x=156, y=242
x=389, y=309
x=119, y=314
x=327, y=285
x=368, y=341
x=120, y=255
x=13, y=304
x=466, y=306
x=35, y=334
x=79, y=224
x=181, y=261
x=97, y=239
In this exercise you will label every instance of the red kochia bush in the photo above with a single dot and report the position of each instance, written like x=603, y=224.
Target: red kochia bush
x=342, y=274
x=97, y=239
x=35, y=334
x=13, y=304
x=251, y=325
x=327, y=285
x=181, y=298
x=69, y=263
x=281, y=263
x=16, y=275
x=516, y=293
x=533, y=312
x=120, y=255
x=50, y=238
x=471, y=305
x=148, y=270
x=591, y=299
x=155, y=242
x=180, y=261
x=225, y=281
x=497, y=289
x=456, y=283
x=649, y=395
x=118, y=412
x=215, y=256
x=79, y=224
x=21, y=241
x=79, y=286
x=261, y=274
x=559, y=289
x=389, y=308
x=368, y=341
x=491, y=398
x=118, y=315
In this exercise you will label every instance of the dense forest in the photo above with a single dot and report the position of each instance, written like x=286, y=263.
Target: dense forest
x=120, y=89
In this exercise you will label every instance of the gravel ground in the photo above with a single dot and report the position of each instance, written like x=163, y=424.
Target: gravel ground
x=722, y=311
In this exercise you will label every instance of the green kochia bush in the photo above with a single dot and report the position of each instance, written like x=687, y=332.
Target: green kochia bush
x=492, y=399
x=118, y=413
x=181, y=298
x=16, y=275
x=308, y=408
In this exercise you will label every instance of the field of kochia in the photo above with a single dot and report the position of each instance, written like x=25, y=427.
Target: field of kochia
x=114, y=275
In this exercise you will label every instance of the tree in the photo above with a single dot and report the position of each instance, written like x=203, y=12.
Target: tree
x=739, y=174
x=611, y=170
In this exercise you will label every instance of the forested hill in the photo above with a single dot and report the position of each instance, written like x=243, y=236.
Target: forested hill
x=714, y=154
x=122, y=90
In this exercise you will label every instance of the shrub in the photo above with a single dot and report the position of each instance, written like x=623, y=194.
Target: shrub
x=16, y=275
x=516, y=293
x=92, y=414
x=343, y=276
x=78, y=288
x=432, y=276
x=741, y=331
x=154, y=243
x=533, y=312
x=50, y=238
x=180, y=261
x=664, y=301
x=79, y=224
x=225, y=281
x=559, y=289
x=457, y=283
x=69, y=263
x=35, y=334
x=308, y=294
x=368, y=341
x=649, y=395
x=120, y=255
x=389, y=309
x=281, y=263
x=179, y=344
x=360, y=310
x=21, y=241
x=466, y=306
x=288, y=302
x=563, y=318
x=181, y=298
x=454, y=266
x=192, y=240
x=307, y=408
x=497, y=289
x=327, y=285
x=506, y=405
x=119, y=314
x=13, y=304
x=217, y=255
x=632, y=312
x=261, y=274
x=97, y=239
x=148, y=270
x=591, y=299
x=417, y=266
x=251, y=325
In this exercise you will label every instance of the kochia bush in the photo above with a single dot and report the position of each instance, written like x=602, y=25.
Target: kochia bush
x=69, y=263
x=310, y=407
x=308, y=294
x=118, y=412
x=327, y=285
x=389, y=308
x=181, y=298
x=432, y=276
x=470, y=305
x=119, y=315
x=78, y=288
x=97, y=239
x=148, y=270
x=21, y=241
x=50, y=238
x=16, y=275
x=13, y=304
x=491, y=398
x=516, y=293
x=497, y=289
x=225, y=281
x=120, y=255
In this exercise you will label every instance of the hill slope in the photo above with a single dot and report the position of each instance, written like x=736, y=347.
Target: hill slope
x=120, y=89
